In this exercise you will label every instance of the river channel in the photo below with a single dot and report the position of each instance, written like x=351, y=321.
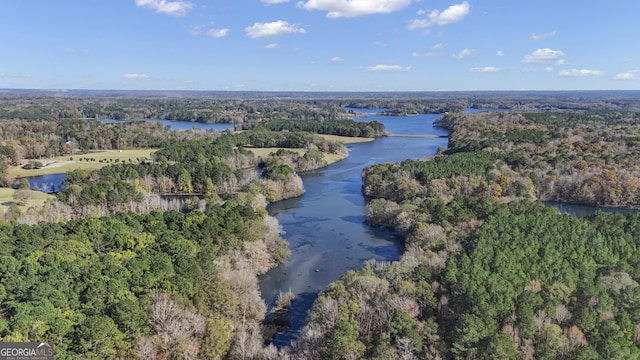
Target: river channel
x=325, y=227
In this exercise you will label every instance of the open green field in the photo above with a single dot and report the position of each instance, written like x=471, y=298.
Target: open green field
x=92, y=160
x=330, y=158
x=37, y=198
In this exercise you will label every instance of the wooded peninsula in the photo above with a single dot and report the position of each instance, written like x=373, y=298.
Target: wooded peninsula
x=156, y=255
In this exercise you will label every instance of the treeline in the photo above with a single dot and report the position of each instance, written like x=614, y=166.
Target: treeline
x=242, y=107
x=399, y=103
x=158, y=285
x=44, y=138
x=580, y=157
x=201, y=109
x=339, y=127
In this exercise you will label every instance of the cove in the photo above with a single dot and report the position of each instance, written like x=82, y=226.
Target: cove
x=325, y=226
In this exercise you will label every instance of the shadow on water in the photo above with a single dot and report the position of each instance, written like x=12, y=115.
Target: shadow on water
x=296, y=315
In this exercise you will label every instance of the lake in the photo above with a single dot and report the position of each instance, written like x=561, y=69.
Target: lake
x=49, y=184
x=178, y=125
x=325, y=227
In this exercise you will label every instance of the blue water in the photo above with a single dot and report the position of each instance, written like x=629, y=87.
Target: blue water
x=325, y=227
x=47, y=183
x=179, y=125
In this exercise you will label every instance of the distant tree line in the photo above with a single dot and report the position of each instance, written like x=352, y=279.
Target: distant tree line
x=580, y=157
x=339, y=127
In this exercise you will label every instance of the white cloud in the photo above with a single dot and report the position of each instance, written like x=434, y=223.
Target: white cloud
x=426, y=54
x=272, y=46
x=352, y=8
x=625, y=76
x=535, y=36
x=542, y=56
x=450, y=15
x=135, y=76
x=499, y=53
x=379, y=43
x=337, y=59
x=271, y=2
x=463, y=54
x=579, y=73
x=438, y=46
x=562, y=62
x=486, y=69
x=387, y=68
x=217, y=33
x=272, y=29
x=174, y=8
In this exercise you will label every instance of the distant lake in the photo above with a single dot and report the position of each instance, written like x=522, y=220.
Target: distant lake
x=178, y=125
x=49, y=184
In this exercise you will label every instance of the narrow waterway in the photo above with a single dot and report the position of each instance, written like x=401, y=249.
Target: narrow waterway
x=325, y=227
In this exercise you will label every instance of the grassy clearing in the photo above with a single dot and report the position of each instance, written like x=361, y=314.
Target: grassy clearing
x=37, y=199
x=63, y=164
x=330, y=158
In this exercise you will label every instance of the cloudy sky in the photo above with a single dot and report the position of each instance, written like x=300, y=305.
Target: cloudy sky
x=320, y=45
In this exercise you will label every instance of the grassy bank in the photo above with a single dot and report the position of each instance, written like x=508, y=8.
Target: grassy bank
x=92, y=160
x=330, y=158
x=36, y=198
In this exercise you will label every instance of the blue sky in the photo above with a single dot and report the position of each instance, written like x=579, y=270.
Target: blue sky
x=320, y=45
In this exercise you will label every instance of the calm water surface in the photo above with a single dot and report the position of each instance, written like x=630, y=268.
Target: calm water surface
x=50, y=184
x=178, y=125
x=325, y=227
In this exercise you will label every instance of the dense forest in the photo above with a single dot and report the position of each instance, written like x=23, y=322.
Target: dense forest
x=157, y=258
x=151, y=258
x=579, y=157
x=157, y=286
x=488, y=271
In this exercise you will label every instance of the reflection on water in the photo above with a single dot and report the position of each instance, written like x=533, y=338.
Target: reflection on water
x=49, y=184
